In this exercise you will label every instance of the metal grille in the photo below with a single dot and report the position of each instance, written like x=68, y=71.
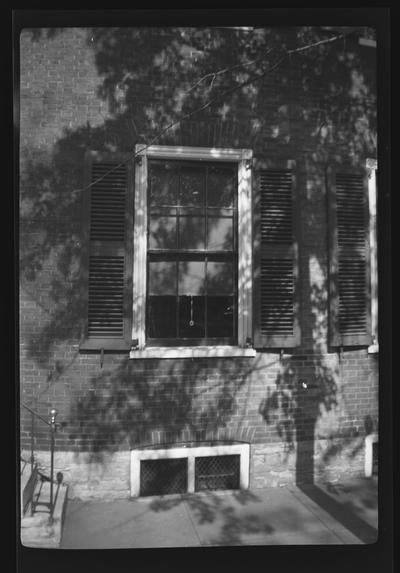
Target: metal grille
x=161, y=477
x=217, y=472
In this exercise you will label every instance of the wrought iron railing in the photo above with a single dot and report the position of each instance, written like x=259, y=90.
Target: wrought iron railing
x=52, y=424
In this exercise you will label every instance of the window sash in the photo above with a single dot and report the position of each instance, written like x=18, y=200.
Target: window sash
x=204, y=254
x=244, y=247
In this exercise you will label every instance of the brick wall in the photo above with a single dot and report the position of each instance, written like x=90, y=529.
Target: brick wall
x=110, y=89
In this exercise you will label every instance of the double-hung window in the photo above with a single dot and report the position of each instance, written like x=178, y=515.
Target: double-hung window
x=191, y=266
x=192, y=250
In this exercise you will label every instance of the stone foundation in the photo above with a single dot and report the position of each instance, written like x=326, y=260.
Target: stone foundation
x=107, y=475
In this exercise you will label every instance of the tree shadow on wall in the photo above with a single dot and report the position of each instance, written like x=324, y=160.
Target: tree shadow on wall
x=128, y=406
x=179, y=76
x=145, y=82
x=309, y=388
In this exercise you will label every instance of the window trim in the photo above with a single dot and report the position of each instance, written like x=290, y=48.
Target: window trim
x=243, y=158
x=372, y=166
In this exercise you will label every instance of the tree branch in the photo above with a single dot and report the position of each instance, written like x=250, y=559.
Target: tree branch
x=221, y=95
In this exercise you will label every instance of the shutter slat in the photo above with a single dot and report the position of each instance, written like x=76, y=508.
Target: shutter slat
x=351, y=224
x=108, y=202
x=276, y=297
x=110, y=217
x=275, y=320
x=349, y=259
x=276, y=206
x=106, y=290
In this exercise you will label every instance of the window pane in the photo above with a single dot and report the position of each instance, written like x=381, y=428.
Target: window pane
x=220, y=234
x=219, y=278
x=191, y=277
x=191, y=316
x=161, y=316
x=192, y=232
x=220, y=316
x=191, y=192
x=162, y=277
x=162, y=232
x=163, y=184
x=221, y=184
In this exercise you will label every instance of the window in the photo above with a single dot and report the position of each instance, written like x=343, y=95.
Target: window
x=189, y=468
x=193, y=250
x=189, y=252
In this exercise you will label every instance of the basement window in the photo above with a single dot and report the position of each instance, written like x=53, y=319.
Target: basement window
x=164, y=476
x=188, y=468
x=217, y=472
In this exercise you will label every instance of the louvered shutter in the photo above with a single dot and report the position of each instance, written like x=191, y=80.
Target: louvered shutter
x=349, y=281
x=109, y=215
x=275, y=257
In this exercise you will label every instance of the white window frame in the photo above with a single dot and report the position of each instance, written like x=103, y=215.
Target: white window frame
x=189, y=453
x=243, y=159
x=372, y=166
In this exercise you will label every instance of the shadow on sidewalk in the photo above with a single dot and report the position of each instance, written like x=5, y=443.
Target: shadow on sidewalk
x=345, y=512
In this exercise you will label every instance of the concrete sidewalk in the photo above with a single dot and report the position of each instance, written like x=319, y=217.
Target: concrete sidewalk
x=329, y=514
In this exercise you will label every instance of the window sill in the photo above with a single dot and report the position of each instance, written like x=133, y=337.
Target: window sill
x=193, y=352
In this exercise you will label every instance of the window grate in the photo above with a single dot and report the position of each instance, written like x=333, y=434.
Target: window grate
x=162, y=477
x=217, y=472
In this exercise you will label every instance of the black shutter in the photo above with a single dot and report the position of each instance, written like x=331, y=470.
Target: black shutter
x=275, y=257
x=349, y=280
x=109, y=215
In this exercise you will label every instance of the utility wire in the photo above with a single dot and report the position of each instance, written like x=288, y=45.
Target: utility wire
x=172, y=124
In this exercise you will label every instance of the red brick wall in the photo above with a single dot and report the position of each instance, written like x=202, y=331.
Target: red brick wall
x=83, y=89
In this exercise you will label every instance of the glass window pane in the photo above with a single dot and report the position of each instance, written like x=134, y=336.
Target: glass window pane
x=161, y=316
x=220, y=187
x=220, y=316
x=162, y=277
x=191, y=316
x=192, y=232
x=162, y=232
x=220, y=234
x=163, y=184
x=219, y=278
x=191, y=277
x=191, y=192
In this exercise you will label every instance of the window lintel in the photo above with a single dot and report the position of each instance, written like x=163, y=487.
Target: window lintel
x=197, y=153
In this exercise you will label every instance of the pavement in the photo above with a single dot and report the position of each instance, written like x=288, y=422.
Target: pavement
x=327, y=514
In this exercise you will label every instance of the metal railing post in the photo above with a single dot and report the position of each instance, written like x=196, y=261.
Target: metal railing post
x=32, y=440
x=53, y=414
x=53, y=428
